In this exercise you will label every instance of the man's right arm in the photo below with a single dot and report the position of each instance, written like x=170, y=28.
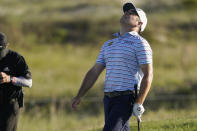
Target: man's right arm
x=87, y=83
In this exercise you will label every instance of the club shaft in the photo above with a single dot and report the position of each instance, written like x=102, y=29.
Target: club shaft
x=138, y=122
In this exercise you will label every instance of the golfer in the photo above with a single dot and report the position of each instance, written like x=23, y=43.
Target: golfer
x=14, y=73
x=128, y=62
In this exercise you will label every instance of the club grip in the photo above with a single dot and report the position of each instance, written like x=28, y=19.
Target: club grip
x=135, y=87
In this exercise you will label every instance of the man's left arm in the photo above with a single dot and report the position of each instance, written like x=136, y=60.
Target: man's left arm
x=23, y=75
x=18, y=81
x=147, y=70
x=144, y=57
x=138, y=108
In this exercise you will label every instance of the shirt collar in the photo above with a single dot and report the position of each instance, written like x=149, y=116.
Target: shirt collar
x=116, y=34
x=131, y=33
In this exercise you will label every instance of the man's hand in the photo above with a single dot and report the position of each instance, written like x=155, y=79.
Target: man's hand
x=75, y=102
x=138, y=110
x=4, y=78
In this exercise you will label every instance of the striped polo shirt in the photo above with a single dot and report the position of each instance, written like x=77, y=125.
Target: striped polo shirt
x=122, y=57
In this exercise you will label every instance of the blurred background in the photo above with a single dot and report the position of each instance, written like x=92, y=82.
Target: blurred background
x=61, y=39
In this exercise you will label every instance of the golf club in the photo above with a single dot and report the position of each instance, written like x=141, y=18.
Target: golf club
x=138, y=119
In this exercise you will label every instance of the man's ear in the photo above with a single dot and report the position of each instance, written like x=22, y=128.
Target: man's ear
x=140, y=23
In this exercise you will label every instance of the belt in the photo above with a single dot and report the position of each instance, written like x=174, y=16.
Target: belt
x=118, y=93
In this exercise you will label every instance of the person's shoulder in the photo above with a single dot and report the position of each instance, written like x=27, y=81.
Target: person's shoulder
x=141, y=43
x=109, y=42
x=15, y=54
x=142, y=40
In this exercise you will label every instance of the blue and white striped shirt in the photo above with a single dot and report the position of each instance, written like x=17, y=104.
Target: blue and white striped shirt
x=122, y=57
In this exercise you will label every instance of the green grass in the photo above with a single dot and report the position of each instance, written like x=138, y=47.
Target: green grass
x=58, y=70
x=169, y=125
x=60, y=9
x=162, y=120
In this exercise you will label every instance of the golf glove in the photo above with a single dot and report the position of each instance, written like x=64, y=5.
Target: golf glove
x=138, y=110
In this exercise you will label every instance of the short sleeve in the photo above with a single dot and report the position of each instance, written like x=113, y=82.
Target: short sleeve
x=100, y=58
x=143, y=53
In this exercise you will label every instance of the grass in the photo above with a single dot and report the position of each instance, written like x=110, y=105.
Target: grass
x=58, y=70
x=60, y=9
x=169, y=120
x=162, y=120
x=169, y=125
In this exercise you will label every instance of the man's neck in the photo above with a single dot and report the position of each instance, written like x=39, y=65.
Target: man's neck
x=125, y=29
